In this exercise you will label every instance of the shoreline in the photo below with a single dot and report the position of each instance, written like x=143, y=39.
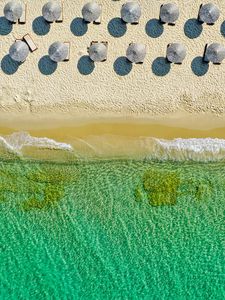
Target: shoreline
x=177, y=137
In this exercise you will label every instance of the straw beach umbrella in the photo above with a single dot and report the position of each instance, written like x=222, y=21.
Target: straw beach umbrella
x=131, y=12
x=19, y=51
x=98, y=52
x=91, y=11
x=136, y=53
x=13, y=10
x=215, y=53
x=58, y=51
x=176, y=53
x=169, y=13
x=209, y=13
x=51, y=11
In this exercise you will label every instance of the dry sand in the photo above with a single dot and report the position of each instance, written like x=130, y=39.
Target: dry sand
x=104, y=92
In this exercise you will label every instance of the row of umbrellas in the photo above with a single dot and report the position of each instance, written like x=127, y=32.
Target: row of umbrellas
x=130, y=12
x=135, y=53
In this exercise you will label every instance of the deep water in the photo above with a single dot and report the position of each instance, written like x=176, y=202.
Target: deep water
x=112, y=230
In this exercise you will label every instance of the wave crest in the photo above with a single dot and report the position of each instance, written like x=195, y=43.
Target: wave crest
x=23, y=145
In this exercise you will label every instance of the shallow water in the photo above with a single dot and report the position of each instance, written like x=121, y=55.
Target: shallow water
x=113, y=229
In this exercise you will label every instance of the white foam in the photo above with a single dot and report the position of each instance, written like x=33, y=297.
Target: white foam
x=200, y=149
x=197, y=149
x=17, y=141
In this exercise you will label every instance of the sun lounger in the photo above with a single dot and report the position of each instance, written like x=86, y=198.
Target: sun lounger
x=135, y=23
x=27, y=38
x=204, y=58
x=160, y=20
x=60, y=19
x=198, y=18
x=99, y=20
x=94, y=42
x=68, y=57
x=106, y=44
x=23, y=18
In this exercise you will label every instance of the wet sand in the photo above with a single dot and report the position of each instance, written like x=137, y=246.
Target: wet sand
x=112, y=137
x=66, y=128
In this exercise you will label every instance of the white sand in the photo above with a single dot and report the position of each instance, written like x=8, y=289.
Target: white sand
x=104, y=92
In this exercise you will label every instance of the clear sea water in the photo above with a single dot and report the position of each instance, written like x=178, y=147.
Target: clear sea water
x=112, y=229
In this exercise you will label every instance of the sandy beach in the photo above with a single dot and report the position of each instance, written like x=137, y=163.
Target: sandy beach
x=113, y=88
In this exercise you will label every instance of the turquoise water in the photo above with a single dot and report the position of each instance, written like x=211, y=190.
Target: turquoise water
x=118, y=229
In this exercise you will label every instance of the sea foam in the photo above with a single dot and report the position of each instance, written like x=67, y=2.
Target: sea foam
x=197, y=149
x=179, y=149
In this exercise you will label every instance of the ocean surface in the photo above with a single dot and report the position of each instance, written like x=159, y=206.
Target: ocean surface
x=116, y=228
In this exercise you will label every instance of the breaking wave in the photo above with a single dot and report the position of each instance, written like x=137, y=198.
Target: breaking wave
x=23, y=145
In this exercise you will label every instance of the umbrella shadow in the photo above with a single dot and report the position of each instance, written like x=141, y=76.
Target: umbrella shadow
x=117, y=27
x=199, y=66
x=193, y=28
x=222, y=29
x=122, y=66
x=154, y=28
x=78, y=26
x=9, y=66
x=5, y=26
x=47, y=66
x=40, y=26
x=85, y=65
x=161, y=66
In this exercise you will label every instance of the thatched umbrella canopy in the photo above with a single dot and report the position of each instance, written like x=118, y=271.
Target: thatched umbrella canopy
x=91, y=11
x=58, y=51
x=215, y=53
x=19, y=51
x=98, y=52
x=176, y=53
x=131, y=12
x=136, y=53
x=169, y=13
x=209, y=13
x=51, y=11
x=13, y=10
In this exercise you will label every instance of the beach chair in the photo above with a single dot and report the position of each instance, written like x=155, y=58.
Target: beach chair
x=204, y=57
x=32, y=46
x=23, y=18
x=106, y=44
x=99, y=20
x=60, y=19
x=160, y=20
x=135, y=23
x=68, y=57
x=172, y=24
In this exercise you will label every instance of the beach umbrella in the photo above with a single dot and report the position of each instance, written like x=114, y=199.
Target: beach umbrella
x=136, y=53
x=169, y=13
x=215, y=53
x=176, y=53
x=91, y=11
x=98, y=52
x=51, y=11
x=209, y=13
x=58, y=51
x=13, y=10
x=131, y=12
x=19, y=51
